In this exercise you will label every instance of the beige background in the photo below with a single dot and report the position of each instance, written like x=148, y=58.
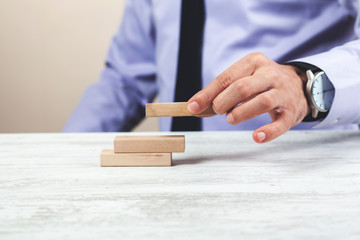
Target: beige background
x=50, y=52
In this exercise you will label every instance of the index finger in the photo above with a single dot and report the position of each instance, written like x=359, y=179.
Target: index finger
x=242, y=68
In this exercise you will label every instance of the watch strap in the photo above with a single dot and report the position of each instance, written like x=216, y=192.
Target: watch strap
x=304, y=66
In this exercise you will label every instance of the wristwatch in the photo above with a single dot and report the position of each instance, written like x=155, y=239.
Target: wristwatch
x=319, y=91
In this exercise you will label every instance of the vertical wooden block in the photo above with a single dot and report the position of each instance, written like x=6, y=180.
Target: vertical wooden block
x=110, y=159
x=149, y=144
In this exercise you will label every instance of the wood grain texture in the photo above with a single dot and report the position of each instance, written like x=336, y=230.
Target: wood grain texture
x=149, y=144
x=110, y=159
x=304, y=185
x=174, y=109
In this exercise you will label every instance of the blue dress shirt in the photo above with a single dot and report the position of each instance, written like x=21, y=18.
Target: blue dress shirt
x=142, y=59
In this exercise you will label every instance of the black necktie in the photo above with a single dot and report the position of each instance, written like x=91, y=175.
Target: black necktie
x=188, y=79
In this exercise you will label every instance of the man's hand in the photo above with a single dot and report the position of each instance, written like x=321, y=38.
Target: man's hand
x=252, y=86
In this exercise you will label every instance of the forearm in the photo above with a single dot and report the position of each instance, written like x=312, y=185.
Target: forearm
x=342, y=66
x=108, y=105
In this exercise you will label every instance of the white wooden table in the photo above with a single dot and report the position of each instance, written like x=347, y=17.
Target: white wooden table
x=305, y=185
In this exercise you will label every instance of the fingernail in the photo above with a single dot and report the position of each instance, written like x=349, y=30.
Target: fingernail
x=230, y=118
x=193, y=107
x=261, y=136
x=216, y=112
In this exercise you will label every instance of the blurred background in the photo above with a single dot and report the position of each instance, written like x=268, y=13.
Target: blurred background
x=50, y=52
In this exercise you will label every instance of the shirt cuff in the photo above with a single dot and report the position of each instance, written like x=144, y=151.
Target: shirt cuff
x=346, y=84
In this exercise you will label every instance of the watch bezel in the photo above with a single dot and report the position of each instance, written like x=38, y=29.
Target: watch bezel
x=316, y=75
x=314, y=108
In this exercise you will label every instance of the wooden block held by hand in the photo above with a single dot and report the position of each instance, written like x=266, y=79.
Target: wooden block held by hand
x=174, y=109
x=149, y=144
x=110, y=159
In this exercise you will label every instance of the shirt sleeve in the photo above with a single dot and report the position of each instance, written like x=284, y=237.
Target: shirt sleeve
x=116, y=102
x=342, y=66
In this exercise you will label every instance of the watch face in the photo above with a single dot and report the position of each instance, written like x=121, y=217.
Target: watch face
x=322, y=92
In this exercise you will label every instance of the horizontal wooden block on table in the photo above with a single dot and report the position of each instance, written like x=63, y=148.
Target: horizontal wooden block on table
x=149, y=144
x=109, y=158
x=174, y=109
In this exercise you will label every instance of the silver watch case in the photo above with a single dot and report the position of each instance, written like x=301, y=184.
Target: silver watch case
x=311, y=77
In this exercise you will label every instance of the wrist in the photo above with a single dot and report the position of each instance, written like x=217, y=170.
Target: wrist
x=315, y=101
x=301, y=73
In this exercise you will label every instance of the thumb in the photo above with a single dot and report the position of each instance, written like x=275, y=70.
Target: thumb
x=199, y=102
